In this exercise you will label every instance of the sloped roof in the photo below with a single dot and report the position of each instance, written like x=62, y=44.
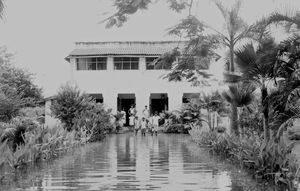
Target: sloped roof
x=123, y=48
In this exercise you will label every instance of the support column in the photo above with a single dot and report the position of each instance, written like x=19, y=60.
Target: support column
x=142, y=64
x=142, y=99
x=110, y=63
x=175, y=101
x=73, y=68
x=111, y=101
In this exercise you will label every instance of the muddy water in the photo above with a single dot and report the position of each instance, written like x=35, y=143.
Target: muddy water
x=128, y=162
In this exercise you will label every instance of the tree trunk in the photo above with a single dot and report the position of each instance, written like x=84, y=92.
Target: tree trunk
x=234, y=120
x=231, y=67
x=208, y=119
x=264, y=94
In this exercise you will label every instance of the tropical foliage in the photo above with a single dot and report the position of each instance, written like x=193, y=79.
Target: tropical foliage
x=238, y=95
x=37, y=145
x=276, y=163
x=17, y=89
x=95, y=120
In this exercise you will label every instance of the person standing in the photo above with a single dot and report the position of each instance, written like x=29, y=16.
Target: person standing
x=132, y=110
x=146, y=112
x=143, y=126
x=155, y=121
x=131, y=122
x=136, y=125
x=123, y=118
x=150, y=124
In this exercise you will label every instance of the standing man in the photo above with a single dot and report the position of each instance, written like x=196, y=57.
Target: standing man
x=146, y=113
x=132, y=110
x=155, y=121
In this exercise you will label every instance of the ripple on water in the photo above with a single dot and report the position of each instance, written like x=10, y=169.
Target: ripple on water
x=127, y=162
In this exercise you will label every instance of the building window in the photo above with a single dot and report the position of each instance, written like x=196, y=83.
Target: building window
x=126, y=63
x=151, y=65
x=94, y=63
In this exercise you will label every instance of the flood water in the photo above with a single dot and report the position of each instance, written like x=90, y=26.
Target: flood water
x=126, y=162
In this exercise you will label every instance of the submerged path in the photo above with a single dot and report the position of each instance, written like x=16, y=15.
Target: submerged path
x=128, y=162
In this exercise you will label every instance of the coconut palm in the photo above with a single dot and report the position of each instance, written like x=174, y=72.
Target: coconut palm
x=238, y=95
x=256, y=66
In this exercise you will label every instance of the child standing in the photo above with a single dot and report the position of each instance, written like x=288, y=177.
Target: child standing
x=150, y=124
x=155, y=119
x=131, y=122
x=136, y=125
x=143, y=126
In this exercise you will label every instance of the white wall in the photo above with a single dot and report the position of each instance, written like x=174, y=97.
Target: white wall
x=141, y=82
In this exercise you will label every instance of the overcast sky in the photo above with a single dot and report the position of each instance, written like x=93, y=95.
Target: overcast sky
x=43, y=32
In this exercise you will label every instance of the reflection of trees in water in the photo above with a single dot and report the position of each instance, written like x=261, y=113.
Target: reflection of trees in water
x=166, y=157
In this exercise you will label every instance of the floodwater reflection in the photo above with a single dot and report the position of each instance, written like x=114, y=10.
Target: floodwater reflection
x=128, y=162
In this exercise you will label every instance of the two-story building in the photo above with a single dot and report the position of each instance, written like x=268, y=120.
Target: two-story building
x=119, y=74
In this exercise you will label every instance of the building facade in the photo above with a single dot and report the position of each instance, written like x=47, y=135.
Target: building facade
x=121, y=74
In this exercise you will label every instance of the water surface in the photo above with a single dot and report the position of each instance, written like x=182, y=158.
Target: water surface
x=128, y=162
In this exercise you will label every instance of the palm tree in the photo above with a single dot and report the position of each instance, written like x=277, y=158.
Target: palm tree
x=236, y=29
x=290, y=20
x=238, y=95
x=256, y=66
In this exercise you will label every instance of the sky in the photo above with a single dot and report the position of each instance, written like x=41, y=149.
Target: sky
x=41, y=33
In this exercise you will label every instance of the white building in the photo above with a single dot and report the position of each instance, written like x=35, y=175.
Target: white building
x=120, y=74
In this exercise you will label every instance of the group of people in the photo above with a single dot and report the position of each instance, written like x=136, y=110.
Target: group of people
x=148, y=122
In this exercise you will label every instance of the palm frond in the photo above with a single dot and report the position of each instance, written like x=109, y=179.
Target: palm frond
x=240, y=94
x=245, y=57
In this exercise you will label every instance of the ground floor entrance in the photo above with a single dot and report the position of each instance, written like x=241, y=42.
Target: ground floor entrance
x=158, y=102
x=124, y=103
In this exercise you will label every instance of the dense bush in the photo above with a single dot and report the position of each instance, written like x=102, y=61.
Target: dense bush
x=39, y=144
x=95, y=120
x=273, y=161
x=68, y=103
x=78, y=111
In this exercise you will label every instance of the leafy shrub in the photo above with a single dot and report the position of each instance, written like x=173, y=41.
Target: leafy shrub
x=250, y=120
x=68, y=103
x=175, y=128
x=95, y=120
x=273, y=161
x=39, y=144
x=10, y=104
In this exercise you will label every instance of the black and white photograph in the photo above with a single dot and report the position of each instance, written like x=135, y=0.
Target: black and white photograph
x=162, y=95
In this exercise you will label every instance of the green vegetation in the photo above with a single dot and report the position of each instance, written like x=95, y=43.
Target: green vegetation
x=78, y=111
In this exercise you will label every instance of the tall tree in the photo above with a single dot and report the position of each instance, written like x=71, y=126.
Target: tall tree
x=238, y=95
x=16, y=87
x=256, y=66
